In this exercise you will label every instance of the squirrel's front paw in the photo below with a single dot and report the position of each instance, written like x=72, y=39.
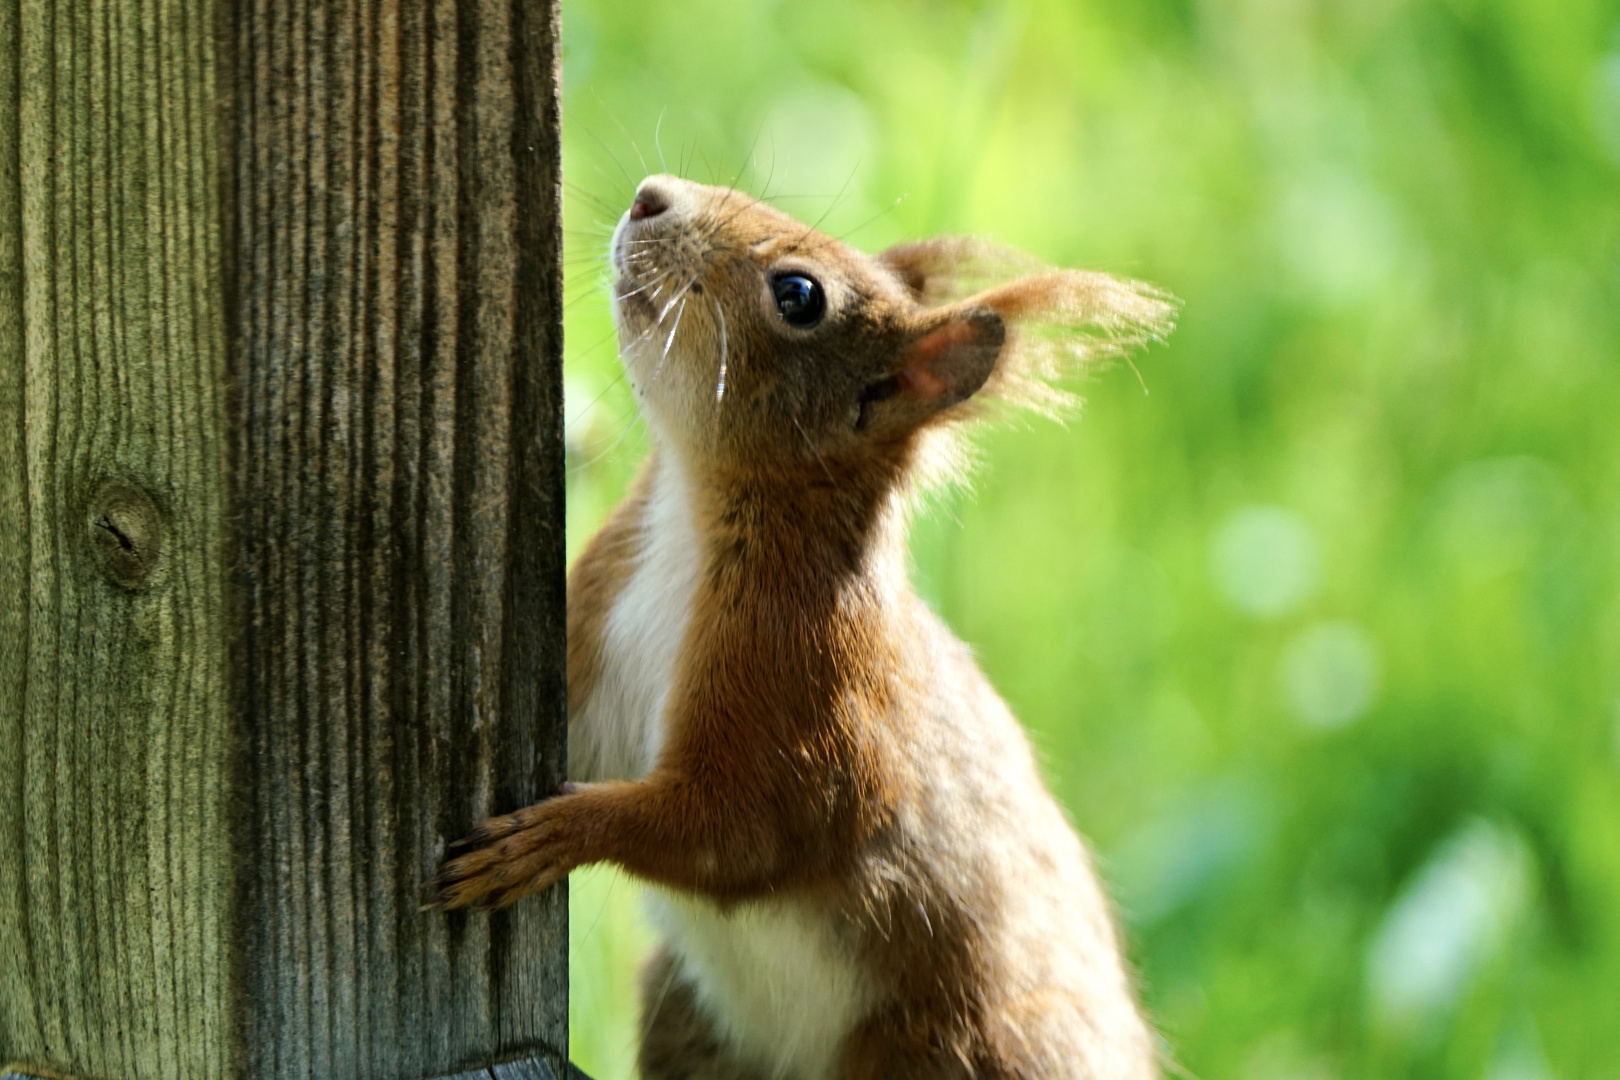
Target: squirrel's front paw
x=512, y=855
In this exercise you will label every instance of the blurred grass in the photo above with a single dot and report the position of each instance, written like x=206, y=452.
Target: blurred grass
x=1318, y=639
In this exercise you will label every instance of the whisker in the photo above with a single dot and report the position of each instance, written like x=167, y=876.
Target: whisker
x=627, y=424
x=598, y=208
x=603, y=173
x=679, y=293
x=577, y=191
x=850, y=179
x=636, y=341
x=579, y=299
x=771, y=175
x=784, y=196
x=659, y=370
x=808, y=229
x=742, y=206
x=614, y=116
x=886, y=210
x=611, y=154
x=603, y=340
x=644, y=170
x=814, y=451
x=660, y=146
x=720, y=386
x=758, y=131
x=720, y=225
x=643, y=288
x=659, y=322
x=585, y=413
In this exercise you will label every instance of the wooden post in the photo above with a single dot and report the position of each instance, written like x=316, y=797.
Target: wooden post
x=280, y=532
x=115, y=716
x=401, y=521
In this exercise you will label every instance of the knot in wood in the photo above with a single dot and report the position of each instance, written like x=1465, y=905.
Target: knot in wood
x=127, y=534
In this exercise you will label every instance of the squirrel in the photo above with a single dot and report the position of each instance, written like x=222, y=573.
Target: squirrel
x=856, y=868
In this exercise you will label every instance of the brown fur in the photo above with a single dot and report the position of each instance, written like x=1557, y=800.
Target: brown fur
x=826, y=742
x=602, y=570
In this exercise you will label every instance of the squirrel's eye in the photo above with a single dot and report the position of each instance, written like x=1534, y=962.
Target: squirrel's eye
x=799, y=299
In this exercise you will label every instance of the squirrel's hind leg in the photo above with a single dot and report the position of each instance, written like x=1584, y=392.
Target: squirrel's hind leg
x=877, y=1051
x=678, y=1041
x=1037, y=1037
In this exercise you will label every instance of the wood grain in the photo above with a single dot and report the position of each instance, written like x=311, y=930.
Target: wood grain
x=524, y=1069
x=114, y=714
x=399, y=464
x=281, y=553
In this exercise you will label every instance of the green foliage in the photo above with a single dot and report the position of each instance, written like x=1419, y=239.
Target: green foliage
x=1319, y=638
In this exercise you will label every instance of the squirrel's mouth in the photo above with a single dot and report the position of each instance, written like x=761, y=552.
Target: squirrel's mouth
x=632, y=303
x=633, y=293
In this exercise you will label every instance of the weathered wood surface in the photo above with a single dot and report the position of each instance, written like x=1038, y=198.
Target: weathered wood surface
x=525, y=1069
x=280, y=532
x=114, y=717
x=400, y=398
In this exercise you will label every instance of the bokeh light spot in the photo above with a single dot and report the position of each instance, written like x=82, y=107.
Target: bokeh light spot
x=812, y=146
x=1265, y=560
x=1170, y=860
x=1456, y=914
x=1330, y=674
x=1339, y=239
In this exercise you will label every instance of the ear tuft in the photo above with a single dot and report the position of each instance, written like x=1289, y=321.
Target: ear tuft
x=946, y=269
x=1056, y=324
x=1063, y=322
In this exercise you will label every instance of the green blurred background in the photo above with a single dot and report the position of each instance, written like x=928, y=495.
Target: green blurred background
x=1318, y=638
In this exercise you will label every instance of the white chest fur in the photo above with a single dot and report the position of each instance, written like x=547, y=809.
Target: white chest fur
x=619, y=731
x=782, y=989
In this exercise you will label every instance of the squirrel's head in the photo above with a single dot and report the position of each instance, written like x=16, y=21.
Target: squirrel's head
x=755, y=342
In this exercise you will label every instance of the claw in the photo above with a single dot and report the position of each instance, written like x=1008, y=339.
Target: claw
x=438, y=898
x=442, y=887
x=490, y=829
x=497, y=863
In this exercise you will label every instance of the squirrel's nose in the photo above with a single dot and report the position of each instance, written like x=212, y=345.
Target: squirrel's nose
x=651, y=200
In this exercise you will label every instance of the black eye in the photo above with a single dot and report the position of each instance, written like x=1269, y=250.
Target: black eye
x=799, y=299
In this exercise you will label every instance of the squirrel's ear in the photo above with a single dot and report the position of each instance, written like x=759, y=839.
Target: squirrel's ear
x=950, y=360
x=1049, y=324
x=945, y=269
x=913, y=263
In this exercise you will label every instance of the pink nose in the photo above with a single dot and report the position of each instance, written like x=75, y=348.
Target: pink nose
x=650, y=202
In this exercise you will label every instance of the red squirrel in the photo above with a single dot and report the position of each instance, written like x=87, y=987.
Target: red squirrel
x=854, y=863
